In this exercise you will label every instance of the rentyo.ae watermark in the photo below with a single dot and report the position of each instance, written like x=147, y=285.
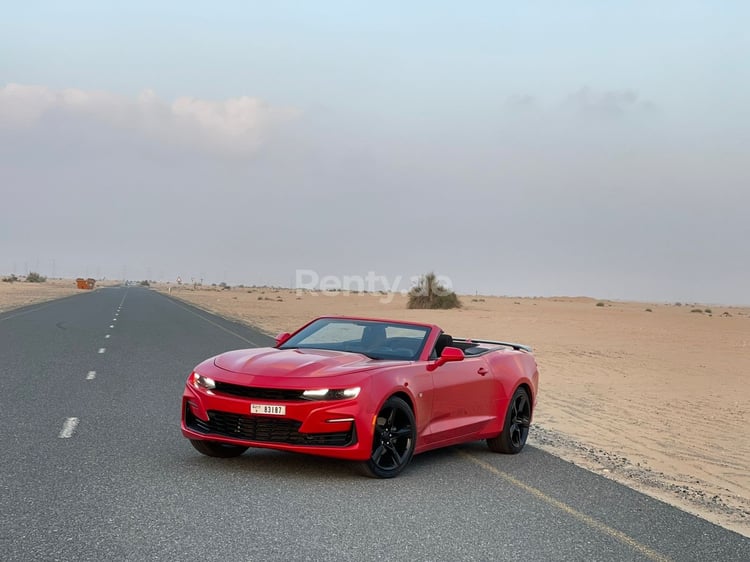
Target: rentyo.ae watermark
x=309, y=281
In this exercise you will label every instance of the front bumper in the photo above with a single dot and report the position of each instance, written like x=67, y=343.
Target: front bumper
x=335, y=428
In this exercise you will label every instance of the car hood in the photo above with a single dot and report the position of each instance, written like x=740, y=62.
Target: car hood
x=297, y=363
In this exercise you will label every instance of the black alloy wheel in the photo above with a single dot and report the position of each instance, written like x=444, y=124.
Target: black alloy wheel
x=516, y=428
x=393, y=440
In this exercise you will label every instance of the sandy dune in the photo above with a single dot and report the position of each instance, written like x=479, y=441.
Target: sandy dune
x=657, y=400
x=20, y=293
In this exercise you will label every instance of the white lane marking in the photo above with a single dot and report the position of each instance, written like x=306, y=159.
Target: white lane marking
x=69, y=426
x=106, y=337
x=102, y=349
x=114, y=319
x=111, y=325
x=91, y=375
x=174, y=301
x=28, y=311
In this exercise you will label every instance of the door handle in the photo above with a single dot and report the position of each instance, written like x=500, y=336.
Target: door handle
x=482, y=371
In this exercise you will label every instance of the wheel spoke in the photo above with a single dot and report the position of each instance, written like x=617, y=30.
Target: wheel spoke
x=516, y=437
x=403, y=432
x=522, y=402
x=397, y=457
x=378, y=454
x=391, y=417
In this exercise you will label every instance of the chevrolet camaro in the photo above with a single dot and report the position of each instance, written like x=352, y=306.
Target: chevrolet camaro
x=367, y=390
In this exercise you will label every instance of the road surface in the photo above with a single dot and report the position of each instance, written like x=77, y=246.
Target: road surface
x=94, y=467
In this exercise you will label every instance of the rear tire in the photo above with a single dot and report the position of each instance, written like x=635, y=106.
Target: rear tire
x=516, y=428
x=393, y=440
x=216, y=449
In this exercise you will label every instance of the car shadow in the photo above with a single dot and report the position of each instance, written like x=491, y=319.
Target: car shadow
x=271, y=463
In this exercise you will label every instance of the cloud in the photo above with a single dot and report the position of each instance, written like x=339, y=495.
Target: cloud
x=607, y=104
x=234, y=126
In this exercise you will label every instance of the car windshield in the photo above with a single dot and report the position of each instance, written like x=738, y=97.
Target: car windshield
x=375, y=339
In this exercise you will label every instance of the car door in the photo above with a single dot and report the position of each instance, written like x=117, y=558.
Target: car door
x=463, y=400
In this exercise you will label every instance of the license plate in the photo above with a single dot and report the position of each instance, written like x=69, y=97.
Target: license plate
x=268, y=409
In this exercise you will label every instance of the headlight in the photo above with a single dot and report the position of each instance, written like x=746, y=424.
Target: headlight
x=199, y=381
x=328, y=394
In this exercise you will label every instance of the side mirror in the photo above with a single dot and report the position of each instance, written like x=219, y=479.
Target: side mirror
x=449, y=354
x=282, y=337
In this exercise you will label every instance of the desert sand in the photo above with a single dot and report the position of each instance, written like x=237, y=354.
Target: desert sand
x=652, y=395
x=21, y=293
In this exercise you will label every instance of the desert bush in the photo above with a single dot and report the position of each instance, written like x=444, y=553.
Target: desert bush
x=707, y=311
x=600, y=304
x=697, y=310
x=10, y=278
x=145, y=283
x=649, y=310
x=430, y=293
x=34, y=277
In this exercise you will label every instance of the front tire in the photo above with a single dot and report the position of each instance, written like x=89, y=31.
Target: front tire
x=516, y=428
x=216, y=449
x=393, y=440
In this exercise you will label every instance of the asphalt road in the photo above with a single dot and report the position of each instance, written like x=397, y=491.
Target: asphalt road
x=93, y=467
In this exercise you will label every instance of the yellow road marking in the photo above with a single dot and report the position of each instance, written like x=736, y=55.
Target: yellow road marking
x=590, y=521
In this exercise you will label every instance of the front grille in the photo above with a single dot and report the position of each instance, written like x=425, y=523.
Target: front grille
x=265, y=429
x=260, y=393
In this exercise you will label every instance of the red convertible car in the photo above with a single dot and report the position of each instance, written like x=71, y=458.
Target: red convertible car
x=367, y=390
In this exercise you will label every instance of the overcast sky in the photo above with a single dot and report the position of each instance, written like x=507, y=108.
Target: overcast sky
x=519, y=148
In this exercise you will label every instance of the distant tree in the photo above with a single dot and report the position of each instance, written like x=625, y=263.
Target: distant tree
x=430, y=293
x=34, y=277
x=10, y=278
x=145, y=283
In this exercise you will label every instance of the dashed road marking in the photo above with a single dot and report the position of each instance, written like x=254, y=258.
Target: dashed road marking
x=111, y=325
x=102, y=349
x=69, y=426
x=106, y=337
x=586, y=519
x=91, y=375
